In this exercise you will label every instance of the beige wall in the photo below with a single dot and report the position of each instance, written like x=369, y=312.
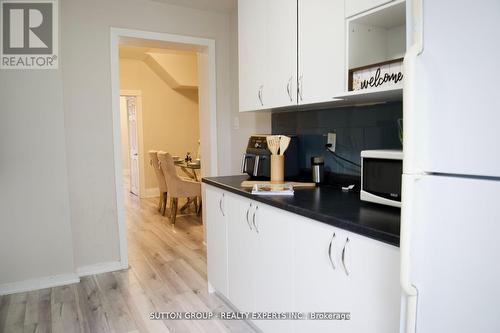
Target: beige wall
x=169, y=117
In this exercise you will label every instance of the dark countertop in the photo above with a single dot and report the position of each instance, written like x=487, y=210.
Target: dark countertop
x=327, y=204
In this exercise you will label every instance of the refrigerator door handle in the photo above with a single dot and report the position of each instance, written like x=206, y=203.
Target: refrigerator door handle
x=408, y=202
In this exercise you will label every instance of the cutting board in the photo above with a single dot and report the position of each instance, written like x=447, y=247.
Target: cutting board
x=251, y=183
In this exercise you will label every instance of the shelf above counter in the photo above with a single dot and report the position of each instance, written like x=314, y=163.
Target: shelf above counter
x=368, y=96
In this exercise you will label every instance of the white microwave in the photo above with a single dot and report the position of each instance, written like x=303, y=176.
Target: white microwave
x=381, y=176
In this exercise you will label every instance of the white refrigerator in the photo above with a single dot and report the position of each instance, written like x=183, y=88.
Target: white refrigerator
x=450, y=218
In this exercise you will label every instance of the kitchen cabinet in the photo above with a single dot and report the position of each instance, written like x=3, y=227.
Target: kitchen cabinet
x=273, y=276
x=321, y=50
x=290, y=52
x=280, y=78
x=216, y=229
x=267, y=44
x=372, y=284
x=353, y=7
x=252, y=15
x=241, y=259
x=260, y=241
x=320, y=284
x=338, y=271
x=278, y=261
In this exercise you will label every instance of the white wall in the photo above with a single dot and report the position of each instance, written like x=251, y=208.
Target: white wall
x=35, y=228
x=56, y=136
x=87, y=103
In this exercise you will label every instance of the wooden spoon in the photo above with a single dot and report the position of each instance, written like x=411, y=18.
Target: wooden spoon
x=273, y=144
x=284, y=142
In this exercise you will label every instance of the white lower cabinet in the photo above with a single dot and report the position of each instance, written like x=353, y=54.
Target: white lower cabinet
x=373, y=284
x=240, y=254
x=320, y=284
x=273, y=275
x=260, y=269
x=216, y=229
x=282, y=262
x=338, y=271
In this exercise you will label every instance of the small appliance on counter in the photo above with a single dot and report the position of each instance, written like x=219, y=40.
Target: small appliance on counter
x=256, y=161
x=381, y=176
x=318, y=169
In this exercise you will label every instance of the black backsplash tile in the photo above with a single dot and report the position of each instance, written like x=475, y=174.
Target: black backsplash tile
x=357, y=128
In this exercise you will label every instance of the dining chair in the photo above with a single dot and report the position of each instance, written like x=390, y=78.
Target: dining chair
x=177, y=187
x=162, y=185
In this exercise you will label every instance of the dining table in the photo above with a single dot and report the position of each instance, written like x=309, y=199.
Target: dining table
x=189, y=168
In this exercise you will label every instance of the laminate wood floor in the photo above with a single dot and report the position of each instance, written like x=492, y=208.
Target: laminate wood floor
x=167, y=273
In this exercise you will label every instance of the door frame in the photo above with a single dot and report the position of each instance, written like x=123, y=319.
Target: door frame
x=208, y=110
x=140, y=138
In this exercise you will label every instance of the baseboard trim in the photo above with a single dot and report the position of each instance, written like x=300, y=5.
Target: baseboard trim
x=152, y=192
x=39, y=283
x=104, y=267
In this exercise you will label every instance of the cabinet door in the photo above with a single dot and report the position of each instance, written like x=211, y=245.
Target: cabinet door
x=240, y=253
x=273, y=273
x=215, y=205
x=320, y=285
x=353, y=7
x=251, y=46
x=373, y=284
x=281, y=54
x=321, y=50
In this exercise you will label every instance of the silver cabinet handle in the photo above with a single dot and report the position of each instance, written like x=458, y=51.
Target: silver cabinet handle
x=289, y=88
x=260, y=95
x=330, y=251
x=299, y=87
x=253, y=219
x=248, y=221
x=343, y=256
x=220, y=205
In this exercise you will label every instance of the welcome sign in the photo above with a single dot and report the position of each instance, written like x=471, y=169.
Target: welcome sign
x=29, y=36
x=384, y=74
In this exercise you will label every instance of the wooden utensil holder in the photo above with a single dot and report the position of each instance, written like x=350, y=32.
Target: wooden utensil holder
x=277, y=169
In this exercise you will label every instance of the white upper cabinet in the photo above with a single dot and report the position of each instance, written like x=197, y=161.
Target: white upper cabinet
x=321, y=50
x=353, y=7
x=252, y=16
x=290, y=52
x=280, y=86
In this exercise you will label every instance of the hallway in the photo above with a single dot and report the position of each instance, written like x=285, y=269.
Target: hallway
x=167, y=273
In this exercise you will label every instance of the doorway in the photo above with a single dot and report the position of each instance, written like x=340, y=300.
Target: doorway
x=131, y=140
x=205, y=49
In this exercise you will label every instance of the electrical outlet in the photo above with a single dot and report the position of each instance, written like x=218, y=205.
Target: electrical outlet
x=332, y=139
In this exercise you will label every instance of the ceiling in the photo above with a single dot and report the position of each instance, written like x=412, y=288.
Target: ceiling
x=216, y=5
x=140, y=53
